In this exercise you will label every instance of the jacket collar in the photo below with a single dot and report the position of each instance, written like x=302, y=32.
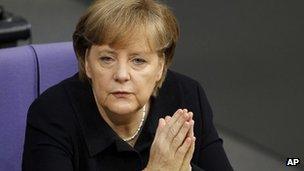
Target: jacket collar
x=99, y=135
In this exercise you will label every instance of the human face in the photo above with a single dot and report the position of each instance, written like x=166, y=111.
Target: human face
x=123, y=79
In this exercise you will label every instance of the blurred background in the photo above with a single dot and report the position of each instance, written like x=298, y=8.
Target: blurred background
x=248, y=55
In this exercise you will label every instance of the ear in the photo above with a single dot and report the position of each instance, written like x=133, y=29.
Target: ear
x=161, y=68
x=88, y=70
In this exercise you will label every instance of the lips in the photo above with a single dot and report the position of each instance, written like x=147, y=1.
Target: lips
x=121, y=94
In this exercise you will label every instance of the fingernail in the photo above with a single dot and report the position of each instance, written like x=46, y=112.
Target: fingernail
x=188, y=140
x=191, y=114
x=192, y=122
x=187, y=123
x=162, y=121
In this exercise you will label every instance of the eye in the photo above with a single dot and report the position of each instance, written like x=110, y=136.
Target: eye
x=138, y=61
x=106, y=59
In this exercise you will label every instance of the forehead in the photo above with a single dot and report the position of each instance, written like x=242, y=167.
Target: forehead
x=136, y=49
x=135, y=44
x=140, y=37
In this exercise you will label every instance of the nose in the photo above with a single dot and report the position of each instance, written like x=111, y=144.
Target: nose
x=122, y=73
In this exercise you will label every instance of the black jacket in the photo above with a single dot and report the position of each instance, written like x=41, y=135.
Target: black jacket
x=65, y=131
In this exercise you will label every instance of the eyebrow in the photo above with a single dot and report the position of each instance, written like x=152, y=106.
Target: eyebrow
x=112, y=51
x=148, y=52
x=107, y=51
x=138, y=53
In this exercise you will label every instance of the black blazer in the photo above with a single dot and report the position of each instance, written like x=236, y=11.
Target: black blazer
x=66, y=132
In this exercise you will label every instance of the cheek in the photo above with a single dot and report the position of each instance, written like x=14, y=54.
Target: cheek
x=101, y=89
x=146, y=83
x=99, y=75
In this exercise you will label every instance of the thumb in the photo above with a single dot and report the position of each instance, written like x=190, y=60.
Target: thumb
x=161, y=124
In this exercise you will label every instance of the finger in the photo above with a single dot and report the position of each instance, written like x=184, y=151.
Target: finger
x=189, y=120
x=175, y=116
x=182, y=150
x=171, y=122
x=180, y=137
x=175, y=128
x=190, y=116
x=191, y=132
x=189, y=154
x=167, y=119
x=161, y=125
x=178, y=115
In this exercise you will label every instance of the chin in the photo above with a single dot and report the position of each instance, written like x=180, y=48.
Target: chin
x=122, y=107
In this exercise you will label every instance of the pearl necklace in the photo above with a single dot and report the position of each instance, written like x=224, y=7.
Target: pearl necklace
x=139, y=127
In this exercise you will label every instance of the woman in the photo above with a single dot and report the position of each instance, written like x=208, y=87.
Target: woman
x=124, y=110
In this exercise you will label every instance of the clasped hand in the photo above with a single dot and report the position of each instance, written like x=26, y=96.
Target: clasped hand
x=173, y=145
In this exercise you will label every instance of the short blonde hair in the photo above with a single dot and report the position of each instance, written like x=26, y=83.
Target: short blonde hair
x=115, y=22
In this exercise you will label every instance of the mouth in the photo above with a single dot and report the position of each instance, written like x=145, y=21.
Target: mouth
x=121, y=94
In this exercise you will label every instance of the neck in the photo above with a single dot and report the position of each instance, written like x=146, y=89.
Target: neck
x=124, y=125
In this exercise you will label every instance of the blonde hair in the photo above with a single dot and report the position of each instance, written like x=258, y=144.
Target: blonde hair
x=115, y=22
